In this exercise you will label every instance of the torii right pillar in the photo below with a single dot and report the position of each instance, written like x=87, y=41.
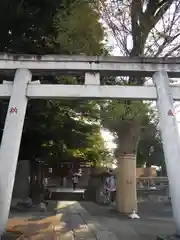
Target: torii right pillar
x=171, y=141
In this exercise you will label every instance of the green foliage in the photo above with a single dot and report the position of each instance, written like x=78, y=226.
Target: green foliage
x=78, y=30
x=134, y=129
x=60, y=130
x=25, y=25
x=115, y=114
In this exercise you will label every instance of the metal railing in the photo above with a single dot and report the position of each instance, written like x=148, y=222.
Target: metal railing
x=152, y=181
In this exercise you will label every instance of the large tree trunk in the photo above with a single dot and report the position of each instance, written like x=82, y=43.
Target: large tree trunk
x=126, y=197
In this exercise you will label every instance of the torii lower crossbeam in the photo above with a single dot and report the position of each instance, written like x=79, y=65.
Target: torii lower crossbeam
x=48, y=91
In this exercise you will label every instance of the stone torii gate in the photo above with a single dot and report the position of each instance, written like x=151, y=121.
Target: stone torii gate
x=23, y=89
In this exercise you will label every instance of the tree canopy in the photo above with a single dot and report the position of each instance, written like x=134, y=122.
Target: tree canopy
x=65, y=129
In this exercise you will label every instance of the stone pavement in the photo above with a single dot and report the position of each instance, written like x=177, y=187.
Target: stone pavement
x=155, y=219
x=67, y=221
x=71, y=220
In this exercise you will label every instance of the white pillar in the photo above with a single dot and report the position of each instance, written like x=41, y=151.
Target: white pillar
x=170, y=138
x=9, y=149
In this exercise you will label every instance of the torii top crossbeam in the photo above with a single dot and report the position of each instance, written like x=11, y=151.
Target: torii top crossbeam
x=72, y=64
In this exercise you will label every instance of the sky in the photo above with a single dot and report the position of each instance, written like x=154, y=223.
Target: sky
x=108, y=138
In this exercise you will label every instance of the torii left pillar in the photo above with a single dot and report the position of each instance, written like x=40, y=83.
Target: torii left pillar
x=10, y=144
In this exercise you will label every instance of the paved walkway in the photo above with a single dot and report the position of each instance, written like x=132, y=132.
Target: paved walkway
x=71, y=220
x=155, y=220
